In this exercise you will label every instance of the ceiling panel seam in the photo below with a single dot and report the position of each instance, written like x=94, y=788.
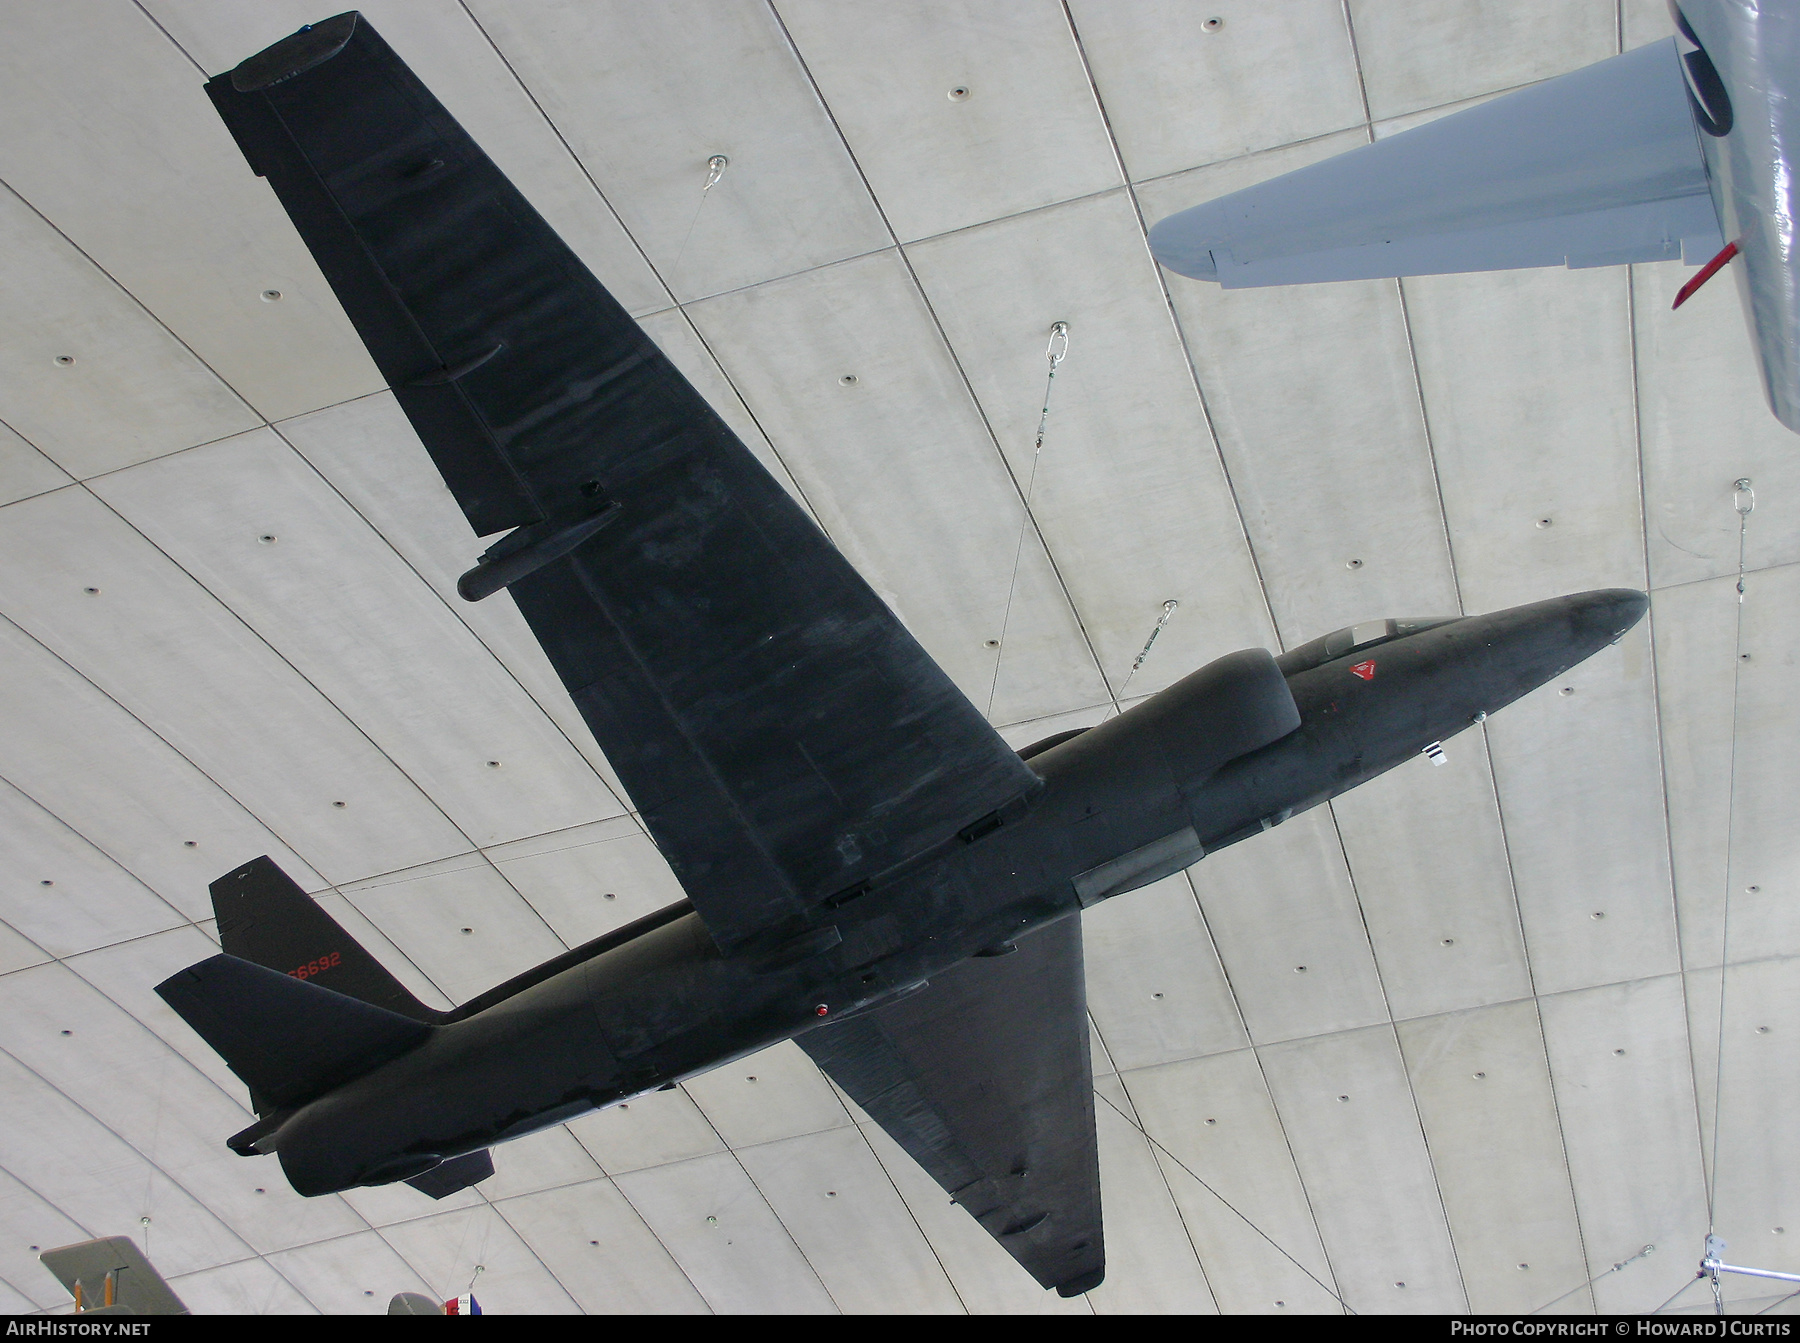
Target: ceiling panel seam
x=1029, y=210
x=1562, y=1146
x=644, y=256
x=955, y=361
x=252, y=1251
x=225, y=792
x=1412, y=1094
x=1636, y=982
x=1187, y=354
x=1537, y=1011
x=172, y=452
x=499, y=1206
x=101, y=690
x=179, y=914
x=368, y=1228
x=495, y=1208
x=563, y=140
x=1262, y=1075
x=1709, y=1153
x=46, y=456
x=46, y=955
x=205, y=1078
x=780, y=1221
x=473, y=1209
x=344, y=714
x=684, y=304
x=267, y=423
x=1726, y=577
x=457, y=612
x=1708, y=1175
x=1143, y=1135
x=744, y=401
x=330, y=405
x=1412, y=361
x=48, y=1202
x=145, y=307
x=1060, y=713
x=14, y=1289
x=1437, y=480
x=727, y=1147
x=26, y=498
x=110, y=857
x=1153, y=178
x=892, y=1184
x=1162, y=1153
x=638, y=1213
x=171, y=38
x=1437, y=1183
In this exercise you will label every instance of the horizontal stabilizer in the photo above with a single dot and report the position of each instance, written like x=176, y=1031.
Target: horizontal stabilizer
x=289, y=1040
x=1601, y=166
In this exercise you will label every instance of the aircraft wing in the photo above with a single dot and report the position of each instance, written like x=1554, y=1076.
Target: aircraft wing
x=984, y=1078
x=782, y=734
x=1597, y=167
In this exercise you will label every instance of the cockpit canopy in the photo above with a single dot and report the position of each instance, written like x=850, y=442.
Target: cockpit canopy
x=1350, y=639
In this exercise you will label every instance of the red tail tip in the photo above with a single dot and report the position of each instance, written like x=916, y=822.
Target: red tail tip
x=1707, y=271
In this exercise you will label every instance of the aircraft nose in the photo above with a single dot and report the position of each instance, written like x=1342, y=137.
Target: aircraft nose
x=1609, y=612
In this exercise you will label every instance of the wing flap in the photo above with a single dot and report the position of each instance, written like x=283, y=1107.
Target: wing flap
x=1596, y=167
x=984, y=1078
x=783, y=735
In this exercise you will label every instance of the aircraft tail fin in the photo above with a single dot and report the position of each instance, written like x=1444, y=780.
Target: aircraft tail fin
x=290, y=1040
x=266, y=919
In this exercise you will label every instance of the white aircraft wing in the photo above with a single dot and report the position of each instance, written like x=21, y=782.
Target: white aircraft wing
x=1597, y=167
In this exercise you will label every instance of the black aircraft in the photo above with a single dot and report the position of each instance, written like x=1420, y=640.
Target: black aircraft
x=871, y=871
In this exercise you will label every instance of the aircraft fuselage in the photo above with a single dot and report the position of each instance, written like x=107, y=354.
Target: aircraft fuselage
x=1122, y=804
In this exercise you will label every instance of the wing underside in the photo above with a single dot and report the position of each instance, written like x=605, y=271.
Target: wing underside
x=1597, y=167
x=783, y=736
x=984, y=1078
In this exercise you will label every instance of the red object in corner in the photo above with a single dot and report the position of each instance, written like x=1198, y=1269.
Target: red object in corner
x=1707, y=271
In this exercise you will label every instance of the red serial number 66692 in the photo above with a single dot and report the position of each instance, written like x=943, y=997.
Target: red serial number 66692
x=319, y=966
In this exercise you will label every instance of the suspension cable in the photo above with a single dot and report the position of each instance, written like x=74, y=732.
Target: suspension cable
x=1227, y=1202
x=1058, y=351
x=1623, y=1263
x=1744, y=500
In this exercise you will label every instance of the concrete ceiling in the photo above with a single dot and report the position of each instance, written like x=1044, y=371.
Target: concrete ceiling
x=1456, y=1042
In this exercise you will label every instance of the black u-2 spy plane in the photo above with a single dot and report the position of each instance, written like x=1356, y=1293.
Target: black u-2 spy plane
x=871, y=871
